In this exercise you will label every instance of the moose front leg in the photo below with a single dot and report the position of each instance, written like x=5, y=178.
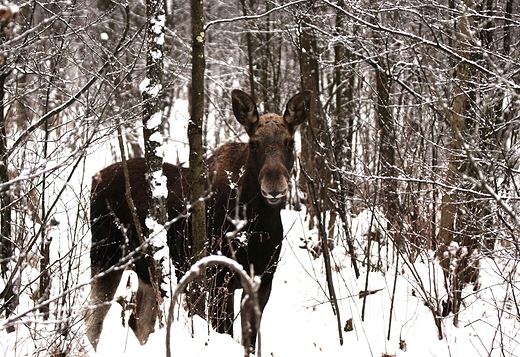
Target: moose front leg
x=142, y=321
x=249, y=330
x=222, y=310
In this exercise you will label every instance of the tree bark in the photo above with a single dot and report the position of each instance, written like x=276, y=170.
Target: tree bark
x=5, y=198
x=152, y=120
x=197, y=180
x=251, y=47
x=387, y=145
x=6, y=240
x=343, y=134
x=314, y=132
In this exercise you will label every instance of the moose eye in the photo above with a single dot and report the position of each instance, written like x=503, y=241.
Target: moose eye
x=253, y=144
x=290, y=145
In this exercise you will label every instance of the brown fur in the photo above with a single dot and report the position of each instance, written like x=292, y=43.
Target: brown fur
x=246, y=180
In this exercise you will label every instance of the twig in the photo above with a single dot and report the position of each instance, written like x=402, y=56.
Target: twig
x=253, y=17
x=393, y=297
x=120, y=46
x=326, y=253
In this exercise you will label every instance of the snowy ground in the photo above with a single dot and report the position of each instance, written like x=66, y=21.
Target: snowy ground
x=298, y=320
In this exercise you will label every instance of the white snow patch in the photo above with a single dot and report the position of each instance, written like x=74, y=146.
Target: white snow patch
x=154, y=121
x=156, y=55
x=158, y=24
x=156, y=137
x=159, y=184
x=144, y=84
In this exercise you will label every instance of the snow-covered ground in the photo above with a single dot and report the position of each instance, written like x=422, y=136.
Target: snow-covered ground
x=299, y=320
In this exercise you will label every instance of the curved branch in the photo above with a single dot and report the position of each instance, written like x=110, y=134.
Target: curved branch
x=250, y=300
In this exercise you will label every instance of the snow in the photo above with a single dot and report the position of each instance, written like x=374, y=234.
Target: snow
x=158, y=24
x=156, y=137
x=152, y=91
x=299, y=321
x=157, y=54
x=144, y=84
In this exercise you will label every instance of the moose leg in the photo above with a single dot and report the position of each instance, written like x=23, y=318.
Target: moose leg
x=264, y=292
x=142, y=321
x=105, y=253
x=223, y=311
x=102, y=292
x=230, y=313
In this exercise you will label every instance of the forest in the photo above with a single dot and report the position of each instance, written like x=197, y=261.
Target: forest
x=413, y=135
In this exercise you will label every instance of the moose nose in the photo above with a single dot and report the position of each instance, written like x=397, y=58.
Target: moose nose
x=274, y=194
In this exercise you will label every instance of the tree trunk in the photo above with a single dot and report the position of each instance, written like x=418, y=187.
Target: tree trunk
x=387, y=145
x=459, y=211
x=152, y=119
x=251, y=47
x=197, y=180
x=343, y=135
x=5, y=198
x=385, y=122
x=313, y=131
x=6, y=245
x=508, y=26
x=6, y=239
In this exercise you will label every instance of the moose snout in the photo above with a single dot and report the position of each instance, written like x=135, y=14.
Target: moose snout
x=275, y=194
x=274, y=181
x=274, y=190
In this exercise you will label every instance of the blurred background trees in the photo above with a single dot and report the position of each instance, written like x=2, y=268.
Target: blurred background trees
x=416, y=119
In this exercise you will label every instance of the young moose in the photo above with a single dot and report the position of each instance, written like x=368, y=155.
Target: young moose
x=246, y=180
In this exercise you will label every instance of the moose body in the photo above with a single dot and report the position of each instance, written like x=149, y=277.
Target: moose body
x=247, y=182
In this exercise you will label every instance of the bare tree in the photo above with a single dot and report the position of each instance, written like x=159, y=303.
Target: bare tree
x=9, y=15
x=197, y=177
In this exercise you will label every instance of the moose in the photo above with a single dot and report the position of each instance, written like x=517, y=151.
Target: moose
x=245, y=180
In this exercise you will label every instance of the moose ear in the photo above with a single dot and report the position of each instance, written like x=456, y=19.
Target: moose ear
x=298, y=109
x=244, y=109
